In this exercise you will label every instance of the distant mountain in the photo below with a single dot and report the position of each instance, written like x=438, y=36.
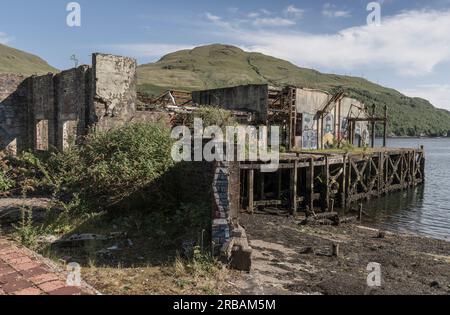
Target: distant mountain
x=217, y=65
x=17, y=61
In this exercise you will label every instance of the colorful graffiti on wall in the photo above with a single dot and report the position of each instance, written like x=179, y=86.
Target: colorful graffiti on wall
x=328, y=131
x=309, y=139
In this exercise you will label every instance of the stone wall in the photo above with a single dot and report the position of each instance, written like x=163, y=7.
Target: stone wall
x=115, y=85
x=41, y=112
x=71, y=105
x=13, y=112
x=252, y=98
x=56, y=110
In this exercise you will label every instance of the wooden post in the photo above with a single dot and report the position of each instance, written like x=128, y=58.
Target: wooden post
x=294, y=178
x=321, y=133
x=373, y=126
x=310, y=184
x=251, y=195
x=380, y=173
x=261, y=187
x=326, y=199
x=343, y=183
x=385, y=126
x=279, y=182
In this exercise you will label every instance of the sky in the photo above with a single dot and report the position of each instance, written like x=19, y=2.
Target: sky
x=409, y=50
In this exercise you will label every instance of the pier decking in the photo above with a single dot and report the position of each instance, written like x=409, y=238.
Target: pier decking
x=327, y=179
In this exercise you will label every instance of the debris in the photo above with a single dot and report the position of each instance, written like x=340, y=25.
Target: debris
x=237, y=251
x=435, y=285
x=335, y=250
x=306, y=250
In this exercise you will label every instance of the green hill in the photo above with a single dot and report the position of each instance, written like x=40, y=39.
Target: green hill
x=221, y=65
x=19, y=62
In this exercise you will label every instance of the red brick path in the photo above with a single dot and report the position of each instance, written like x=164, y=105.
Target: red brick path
x=23, y=274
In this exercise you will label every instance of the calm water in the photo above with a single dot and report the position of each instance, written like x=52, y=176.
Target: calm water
x=424, y=210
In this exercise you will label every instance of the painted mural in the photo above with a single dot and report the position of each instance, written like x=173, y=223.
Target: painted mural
x=328, y=131
x=309, y=140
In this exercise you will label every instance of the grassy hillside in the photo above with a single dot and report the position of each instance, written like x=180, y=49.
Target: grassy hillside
x=16, y=61
x=221, y=65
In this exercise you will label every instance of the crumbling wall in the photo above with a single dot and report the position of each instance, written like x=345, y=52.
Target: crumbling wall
x=311, y=101
x=253, y=98
x=229, y=239
x=41, y=112
x=114, y=91
x=71, y=106
x=13, y=112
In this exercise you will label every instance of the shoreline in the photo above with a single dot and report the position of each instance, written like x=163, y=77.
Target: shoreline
x=293, y=259
x=288, y=258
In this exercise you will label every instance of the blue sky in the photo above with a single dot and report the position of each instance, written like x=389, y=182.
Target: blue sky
x=410, y=51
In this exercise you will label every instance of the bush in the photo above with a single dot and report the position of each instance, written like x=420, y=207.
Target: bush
x=6, y=183
x=111, y=166
x=210, y=115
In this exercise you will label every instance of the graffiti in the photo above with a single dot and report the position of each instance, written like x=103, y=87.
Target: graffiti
x=328, y=128
x=309, y=139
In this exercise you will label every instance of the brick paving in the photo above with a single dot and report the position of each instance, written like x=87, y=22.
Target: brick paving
x=21, y=273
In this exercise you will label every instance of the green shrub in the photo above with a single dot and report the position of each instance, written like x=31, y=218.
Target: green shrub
x=5, y=183
x=112, y=166
x=211, y=116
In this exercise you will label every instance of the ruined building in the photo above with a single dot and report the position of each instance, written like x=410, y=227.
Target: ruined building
x=311, y=119
x=52, y=110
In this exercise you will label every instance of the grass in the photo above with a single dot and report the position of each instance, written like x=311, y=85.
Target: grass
x=19, y=62
x=217, y=66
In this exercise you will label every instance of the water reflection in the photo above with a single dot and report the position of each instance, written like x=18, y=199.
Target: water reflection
x=424, y=210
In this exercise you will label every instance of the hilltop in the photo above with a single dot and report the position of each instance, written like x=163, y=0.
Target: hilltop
x=217, y=65
x=19, y=62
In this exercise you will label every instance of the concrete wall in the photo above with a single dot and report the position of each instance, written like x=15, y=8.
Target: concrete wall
x=56, y=109
x=41, y=112
x=71, y=105
x=310, y=101
x=253, y=98
x=114, y=100
x=13, y=112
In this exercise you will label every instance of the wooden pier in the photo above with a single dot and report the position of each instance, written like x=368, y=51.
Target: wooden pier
x=323, y=181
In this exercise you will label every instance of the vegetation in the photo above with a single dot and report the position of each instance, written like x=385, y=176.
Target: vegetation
x=124, y=182
x=19, y=62
x=221, y=65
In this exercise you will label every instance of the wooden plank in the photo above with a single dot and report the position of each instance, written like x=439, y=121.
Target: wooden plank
x=310, y=184
x=251, y=194
x=327, y=188
x=294, y=179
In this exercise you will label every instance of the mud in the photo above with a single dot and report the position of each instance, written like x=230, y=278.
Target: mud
x=293, y=259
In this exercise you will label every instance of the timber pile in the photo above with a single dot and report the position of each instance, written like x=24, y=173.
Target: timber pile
x=329, y=218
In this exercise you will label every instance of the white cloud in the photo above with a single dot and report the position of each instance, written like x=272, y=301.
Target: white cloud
x=330, y=10
x=294, y=12
x=266, y=12
x=437, y=94
x=273, y=22
x=4, y=38
x=218, y=20
x=410, y=43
